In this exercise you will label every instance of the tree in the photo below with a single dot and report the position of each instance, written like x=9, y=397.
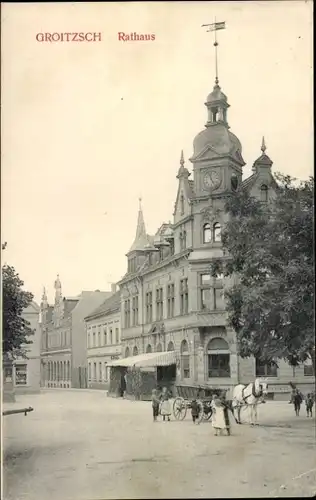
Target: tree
x=16, y=330
x=269, y=248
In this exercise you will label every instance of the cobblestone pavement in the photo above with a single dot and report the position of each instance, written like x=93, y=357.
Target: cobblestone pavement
x=83, y=445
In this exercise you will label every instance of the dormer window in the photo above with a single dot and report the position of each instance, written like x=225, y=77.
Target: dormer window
x=183, y=240
x=264, y=193
x=207, y=233
x=217, y=230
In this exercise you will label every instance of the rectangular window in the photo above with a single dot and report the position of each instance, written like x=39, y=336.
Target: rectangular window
x=20, y=374
x=159, y=304
x=127, y=313
x=265, y=369
x=170, y=301
x=94, y=371
x=149, y=307
x=111, y=336
x=99, y=338
x=89, y=372
x=308, y=371
x=100, y=372
x=105, y=372
x=218, y=365
x=89, y=339
x=219, y=302
x=184, y=296
x=135, y=310
x=105, y=340
x=205, y=279
x=117, y=336
x=94, y=339
x=206, y=298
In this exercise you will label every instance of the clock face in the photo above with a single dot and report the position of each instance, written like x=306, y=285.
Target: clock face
x=212, y=180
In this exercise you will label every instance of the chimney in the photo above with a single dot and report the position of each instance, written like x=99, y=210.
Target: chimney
x=113, y=287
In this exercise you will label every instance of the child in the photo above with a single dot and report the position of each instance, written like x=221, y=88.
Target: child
x=155, y=404
x=165, y=408
x=309, y=401
x=195, y=410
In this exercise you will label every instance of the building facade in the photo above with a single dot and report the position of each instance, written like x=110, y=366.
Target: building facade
x=26, y=371
x=63, y=337
x=169, y=301
x=103, y=336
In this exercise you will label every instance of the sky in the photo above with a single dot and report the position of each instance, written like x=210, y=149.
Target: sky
x=88, y=128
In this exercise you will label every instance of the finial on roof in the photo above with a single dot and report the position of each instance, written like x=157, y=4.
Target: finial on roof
x=263, y=146
x=140, y=202
x=181, y=158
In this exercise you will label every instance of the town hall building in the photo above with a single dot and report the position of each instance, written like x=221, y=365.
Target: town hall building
x=169, y=301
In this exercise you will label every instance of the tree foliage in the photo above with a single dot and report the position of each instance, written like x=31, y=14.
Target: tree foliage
x=16, y=330
x=269, y=249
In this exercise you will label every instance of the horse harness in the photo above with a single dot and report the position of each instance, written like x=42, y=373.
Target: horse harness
x=253, y=392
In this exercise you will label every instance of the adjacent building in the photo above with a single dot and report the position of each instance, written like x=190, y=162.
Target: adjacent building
x=26, y=371
x=103, y=337
x=169, y=301
x=63, y=337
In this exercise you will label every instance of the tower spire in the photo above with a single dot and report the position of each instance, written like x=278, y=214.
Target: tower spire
x=263, y=145
x=141, y=238
x=182, y=158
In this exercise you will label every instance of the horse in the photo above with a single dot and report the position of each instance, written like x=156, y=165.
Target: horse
x=249, y=396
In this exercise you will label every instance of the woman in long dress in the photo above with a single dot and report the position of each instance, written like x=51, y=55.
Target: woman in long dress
x=165, y=408
x=220, y=419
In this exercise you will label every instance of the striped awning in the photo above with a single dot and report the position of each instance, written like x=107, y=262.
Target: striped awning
x=149, y=359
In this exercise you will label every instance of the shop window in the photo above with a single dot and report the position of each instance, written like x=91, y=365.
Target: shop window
x=218, y=356
x=21, y=374
x=265, y=369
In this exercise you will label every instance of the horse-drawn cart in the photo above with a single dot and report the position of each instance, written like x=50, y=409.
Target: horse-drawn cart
x=187, y=394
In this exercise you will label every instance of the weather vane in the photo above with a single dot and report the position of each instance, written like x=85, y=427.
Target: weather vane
x=215, y=27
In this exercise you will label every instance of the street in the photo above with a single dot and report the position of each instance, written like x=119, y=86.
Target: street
x=82, y=445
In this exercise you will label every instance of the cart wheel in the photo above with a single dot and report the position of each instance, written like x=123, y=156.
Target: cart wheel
x=201, y=412
x=179, y=408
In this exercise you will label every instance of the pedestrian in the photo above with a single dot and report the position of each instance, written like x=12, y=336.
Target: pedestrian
x=218, y=418
x=309, y=402
x=195, y=410
x=165, y=407
x=226, y=407
x=155, y=401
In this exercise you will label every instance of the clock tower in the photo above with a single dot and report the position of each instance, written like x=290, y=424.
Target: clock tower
x=217, y=157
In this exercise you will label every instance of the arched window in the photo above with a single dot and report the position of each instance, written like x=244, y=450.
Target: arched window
x=148, y=348
x=264, y=193
x=170, y=346
x=217, y=232
x=127, y=353
x=185, y=360
x=135, y=351
x=207, y=233
x=159, y=348
x=218, y=358
x=182, y=204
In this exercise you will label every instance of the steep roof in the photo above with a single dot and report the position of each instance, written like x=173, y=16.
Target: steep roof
x=109, y=306
x=141, y=237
